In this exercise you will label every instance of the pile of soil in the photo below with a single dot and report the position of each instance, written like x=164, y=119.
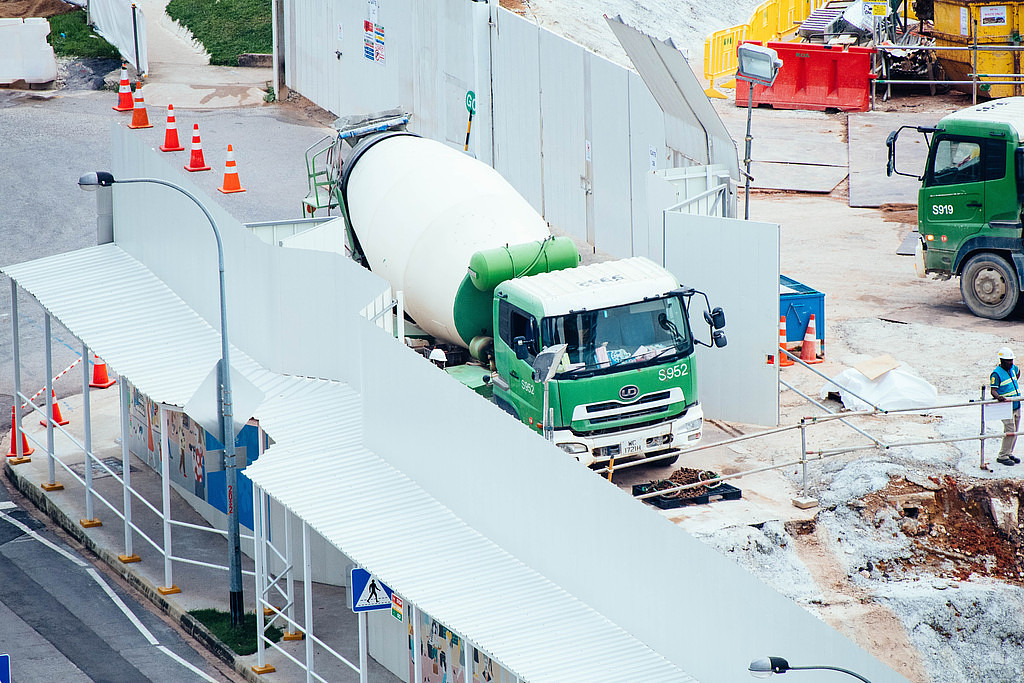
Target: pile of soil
x=18, y=9
x=683, y=476
x=952, y=527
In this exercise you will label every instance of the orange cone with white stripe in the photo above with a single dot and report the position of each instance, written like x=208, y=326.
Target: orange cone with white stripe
x=784, y=360
x=231, y=183
x=100, y=380
x=140, y=119
x=196, y=161
x=171, y=143
x=124, y=92
x=809, y=347
x=57, y=417
x=25, y=448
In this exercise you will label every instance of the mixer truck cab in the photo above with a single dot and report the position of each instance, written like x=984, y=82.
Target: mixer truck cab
x=626, y=385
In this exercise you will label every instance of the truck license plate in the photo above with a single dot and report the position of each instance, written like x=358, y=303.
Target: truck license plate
x=631, y=446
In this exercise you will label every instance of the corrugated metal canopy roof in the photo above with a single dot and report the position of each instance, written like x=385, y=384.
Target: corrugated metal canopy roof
x=319, y=470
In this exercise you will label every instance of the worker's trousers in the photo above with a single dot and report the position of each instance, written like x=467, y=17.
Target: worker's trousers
x=1010, y=428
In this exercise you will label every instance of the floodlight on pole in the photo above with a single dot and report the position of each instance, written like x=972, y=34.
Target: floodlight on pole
x=766, y=666
x=92, y=181
x=758, y=64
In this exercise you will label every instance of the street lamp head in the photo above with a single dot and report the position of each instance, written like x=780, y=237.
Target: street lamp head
x=766, y=666
x=91, y=181
x=758, y=64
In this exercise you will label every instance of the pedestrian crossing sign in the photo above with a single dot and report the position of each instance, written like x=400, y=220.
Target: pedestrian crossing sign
x=368, y=593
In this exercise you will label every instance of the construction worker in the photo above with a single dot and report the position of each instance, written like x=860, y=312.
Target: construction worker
x=1004, y=384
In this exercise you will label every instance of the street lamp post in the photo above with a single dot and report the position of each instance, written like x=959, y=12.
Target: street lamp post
x=92, y=181
x=757, y=64
x=766, y=666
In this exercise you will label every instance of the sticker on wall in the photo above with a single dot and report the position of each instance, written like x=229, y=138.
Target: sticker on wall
x=653, y=154
x=965, y=21
x=373, y=41
x=341, y=33
x=994, y=15
x=371, y=10
x=397, y=607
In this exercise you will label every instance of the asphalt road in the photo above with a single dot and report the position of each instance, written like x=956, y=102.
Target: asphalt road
x=63, y=620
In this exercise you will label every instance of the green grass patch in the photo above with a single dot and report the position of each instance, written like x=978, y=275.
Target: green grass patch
x=226, y=28
x=71, y=37
x=241, y=639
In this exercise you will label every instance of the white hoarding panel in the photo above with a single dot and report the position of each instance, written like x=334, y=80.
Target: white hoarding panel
x=562, y=134
x=609, y=103
x=517, y=106
x=736, y=263
x=647, y=152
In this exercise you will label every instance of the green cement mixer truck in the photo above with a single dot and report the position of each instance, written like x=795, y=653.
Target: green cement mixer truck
x=969, y=203
x=480, y=270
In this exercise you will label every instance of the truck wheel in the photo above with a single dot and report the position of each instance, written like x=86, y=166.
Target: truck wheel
x=989, y=286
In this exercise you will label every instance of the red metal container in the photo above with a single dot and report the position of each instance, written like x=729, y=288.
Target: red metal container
x=816, y=77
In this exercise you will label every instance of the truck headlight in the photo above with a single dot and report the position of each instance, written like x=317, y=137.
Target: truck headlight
x=692, y=425
x=573, y=448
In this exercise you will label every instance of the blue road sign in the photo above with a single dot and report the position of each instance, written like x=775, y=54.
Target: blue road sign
x=5, y=669
x=368, y=593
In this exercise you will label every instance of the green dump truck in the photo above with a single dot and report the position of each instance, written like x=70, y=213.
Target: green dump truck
x=969, y=203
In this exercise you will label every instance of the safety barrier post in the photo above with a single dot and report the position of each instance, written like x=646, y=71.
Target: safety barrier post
x=165, y=488
x=135, y=35
x=803, y=501
x=259, y=554
x=981, y=442
x=126, y=478
x=307, y=590
x=51, y=483
x=417, y=655
x=974, y=62
x=90, y=517
x=16, y=433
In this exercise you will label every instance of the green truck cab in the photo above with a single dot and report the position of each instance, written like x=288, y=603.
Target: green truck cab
x=626, y=385
x=969, y=203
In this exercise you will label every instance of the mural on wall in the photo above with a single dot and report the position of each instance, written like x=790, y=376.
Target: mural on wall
x=442, y=656
x=195, y=457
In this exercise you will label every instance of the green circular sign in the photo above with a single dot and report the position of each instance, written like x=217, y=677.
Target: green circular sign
x=471, y=102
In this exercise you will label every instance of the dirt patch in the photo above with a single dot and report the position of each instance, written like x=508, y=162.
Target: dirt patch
x=517, y=6
x=16, y=9
x=899, y=213
x=959, y=529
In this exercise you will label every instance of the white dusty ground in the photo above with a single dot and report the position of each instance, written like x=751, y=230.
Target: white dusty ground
x=854, y=565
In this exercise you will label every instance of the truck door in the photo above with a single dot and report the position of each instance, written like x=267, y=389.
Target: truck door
x=525, y=395
x=950, y=203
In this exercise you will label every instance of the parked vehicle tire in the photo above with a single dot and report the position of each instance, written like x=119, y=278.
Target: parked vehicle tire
x=989, y=286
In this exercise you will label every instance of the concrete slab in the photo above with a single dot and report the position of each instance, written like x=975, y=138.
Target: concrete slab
x=791, y=150
x=869, y=186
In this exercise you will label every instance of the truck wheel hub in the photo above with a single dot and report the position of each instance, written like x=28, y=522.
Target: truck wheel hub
x=989, y=286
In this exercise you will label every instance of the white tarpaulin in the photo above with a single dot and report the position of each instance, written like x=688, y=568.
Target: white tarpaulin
x=114, y=21
x=896, y=389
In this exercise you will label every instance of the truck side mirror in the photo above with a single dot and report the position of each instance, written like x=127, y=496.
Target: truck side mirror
x=520, y=347
x=719, y=338
x=890, y=142
x=716, y=318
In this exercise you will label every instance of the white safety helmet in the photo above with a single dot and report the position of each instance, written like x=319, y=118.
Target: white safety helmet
x=1005, y=353
x=439, y=355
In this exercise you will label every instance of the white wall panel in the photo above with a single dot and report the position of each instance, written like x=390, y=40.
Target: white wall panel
x=562, y=134
x=609, y=102
x=646, y=133
x=272, y=315
x=517, y=106
x=594, y=539
x=736, y=263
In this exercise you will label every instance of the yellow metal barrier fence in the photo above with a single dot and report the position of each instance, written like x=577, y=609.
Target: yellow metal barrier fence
x=772, y=20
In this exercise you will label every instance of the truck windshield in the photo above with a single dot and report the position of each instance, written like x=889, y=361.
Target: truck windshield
x=610, y=339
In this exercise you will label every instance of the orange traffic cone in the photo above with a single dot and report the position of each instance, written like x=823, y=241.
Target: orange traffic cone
x=809, y=347
x=99, y=374
x=140, y=119
x=171, y=143
x=196, y=162
x=57, y=417
x=25, y=448
x=784, y=360
x=231, y=183
x=124, y=92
